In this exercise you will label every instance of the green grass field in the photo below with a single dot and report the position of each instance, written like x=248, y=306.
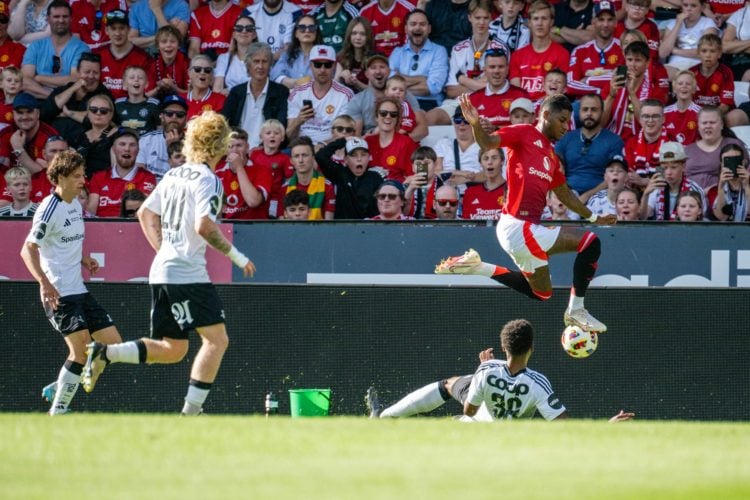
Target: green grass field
x=163, y=456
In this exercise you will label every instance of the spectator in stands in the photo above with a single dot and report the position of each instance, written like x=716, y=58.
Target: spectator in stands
x=642, y=150
x=131, y=201
x=510, y=27
x=293, y=67
x=199, y=96
x=22, y=142
x=231, y=69
x=40, y=183
x=446, y=203
x=355, y=185
x=556, y=210
x=18, y=184
x=420, y=186
x=28, y=20
x=351, y=69
x=733, y=190
x=391, y=201
x=176, y=156
x=269, y=155
x=680, y=37
x=249, y=105
x=390, y=150
x=333, y=17
x=736, y=42
x=135, y=110
x=275, y=21
x=11, y=83
x=714, y=80
x=522, y=111
x=484, y=201
x=636, y=18
x=11, y=52
x=459, y=156
x=681, y=118
x=615, y=176
x=555, y=83
x=659, y=199
x=108, y=186
x=88, y=20
x=211, y=28
x=51, y=62
x=689, y=207
x=152, y=147
x=413, y=123
x=423, y=63
x=169, y=70
x=247, y=186
x=307, y=178
x=627, y=204
x=314, y=105
x=703, y=161
x=530, y=64
x=119, y=54
x=296, y=205
x=572, y=26
x=147, y=17
x=94, y=144
x=387, y=20
x=449, y=20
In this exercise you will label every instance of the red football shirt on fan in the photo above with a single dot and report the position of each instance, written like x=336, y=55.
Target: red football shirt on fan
x=588, y=57
x=716, y=89
x=11, y=54
x=235, y=206
x=496, y=107
x=395, y=157
x=726, y=7
x=34, y=147
x=387, y=26
x=648, y=28
x=111, y=187
x=214, y=29
x=87, y=25
x=6, y=113
x=177, y=71
x=281, y=169
x=307, y=6
x=41, y=187
x=211, y=101
x=408, y=118
x=682, y=125
x=530, y=67
x=479, y=203
x=533, y=170
x=113, y=69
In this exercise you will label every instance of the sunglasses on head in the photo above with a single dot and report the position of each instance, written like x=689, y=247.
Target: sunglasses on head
x=56, y=63
x=310, y=28
x=99, y=111
x=496, y=53
x=383, y=113
x=343, y=130
x=386, y=196
x=203, y=69
x=54, y=138
x=450, y=203
x=323, y=64
x=172, y=114
x=248, y=28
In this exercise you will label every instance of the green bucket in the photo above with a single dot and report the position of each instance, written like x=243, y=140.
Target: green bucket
x=309, y=402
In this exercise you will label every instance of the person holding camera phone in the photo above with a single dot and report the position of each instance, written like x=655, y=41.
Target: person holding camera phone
x=733, y=189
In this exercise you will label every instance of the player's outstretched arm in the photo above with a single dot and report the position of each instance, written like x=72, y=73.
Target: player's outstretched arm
x=209, y=231
x=622, y=416
x=151, y=226
x=570, y=200
x=484, y=140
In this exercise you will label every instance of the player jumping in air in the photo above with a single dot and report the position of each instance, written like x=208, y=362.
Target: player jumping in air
x=533, y=170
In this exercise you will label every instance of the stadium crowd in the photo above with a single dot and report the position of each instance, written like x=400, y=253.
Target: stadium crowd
x=336, y=106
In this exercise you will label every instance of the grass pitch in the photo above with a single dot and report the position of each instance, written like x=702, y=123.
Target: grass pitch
x=163, y=456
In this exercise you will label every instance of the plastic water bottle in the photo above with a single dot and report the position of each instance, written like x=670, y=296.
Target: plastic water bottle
x=272, y=404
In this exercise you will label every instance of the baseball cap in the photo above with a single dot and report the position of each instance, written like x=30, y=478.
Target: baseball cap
x=173, y=99
x=117, y=16
x=374, y=56
x=25, y=100
x=672, y=151
x=618, y=160
x=124, y=131
x=396, y=184
x=322, y=53
x=522, y=103
x=604, y=6
x=354, y=143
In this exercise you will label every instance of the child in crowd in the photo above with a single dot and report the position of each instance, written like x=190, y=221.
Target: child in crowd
x=510, y=27
x=269, y=154
x=689, y=207
x=170, y=68
x=485, y=201
x=18, y=184
x=556, y=210
x=420, y=187
x=628, y=204
x=681, y=118
x=615, y=175
x=396, y=87
x=137, y=111
x=636, y=18
x=343, y=126
x=176, y=158
x=11, y=82
x=715, y=81
x=296, y=205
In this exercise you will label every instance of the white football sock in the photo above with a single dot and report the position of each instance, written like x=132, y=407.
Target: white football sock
x=67, y=385
x=127, y=352
x=486, y=269
x=423, y=400
x=194, y=400
x=574, y=302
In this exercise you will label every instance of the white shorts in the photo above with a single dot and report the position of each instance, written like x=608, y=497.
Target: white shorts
x=525, y=242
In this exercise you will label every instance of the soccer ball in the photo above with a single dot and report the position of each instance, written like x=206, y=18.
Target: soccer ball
x=579, y=343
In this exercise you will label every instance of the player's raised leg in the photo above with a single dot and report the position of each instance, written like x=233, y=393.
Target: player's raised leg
x=423, y=400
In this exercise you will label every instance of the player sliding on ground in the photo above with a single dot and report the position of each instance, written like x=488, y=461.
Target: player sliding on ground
x=533, y=170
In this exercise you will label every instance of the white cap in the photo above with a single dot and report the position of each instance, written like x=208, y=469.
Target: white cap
x=322, y=53
x=354, y=143
x=672, y=151
x=522, y=103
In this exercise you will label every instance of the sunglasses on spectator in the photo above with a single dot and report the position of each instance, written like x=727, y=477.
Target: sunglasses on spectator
x=172, y=114
x=386, y=196
x=415, y=63
x=343, y=130
x=458, y=120
x=203, y=69
x=383, y=113
x=56, y=63
x=310, y=28
x=323, y=64
x=99, y=111
x=450, y=203
x=248, y=28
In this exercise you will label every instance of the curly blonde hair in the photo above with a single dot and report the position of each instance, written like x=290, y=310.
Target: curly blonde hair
x=207, y=138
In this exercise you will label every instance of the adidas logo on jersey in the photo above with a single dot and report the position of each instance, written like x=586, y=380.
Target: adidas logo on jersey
x=475, y=202
x=481, y=107
x=67, y=223
x=587, y=60
x=105, y=69
x=671, y=125
x=105, y=188
x=538, y=144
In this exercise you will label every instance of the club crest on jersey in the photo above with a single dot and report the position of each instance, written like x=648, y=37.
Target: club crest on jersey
x=330, y=109
x=41, y=230
x=215, y=33
x=215, y=203
x=390, y=161
x=4, y=58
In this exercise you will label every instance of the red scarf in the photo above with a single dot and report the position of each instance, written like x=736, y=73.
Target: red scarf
x=618, y=123
x=647, y=153
x=661, y=200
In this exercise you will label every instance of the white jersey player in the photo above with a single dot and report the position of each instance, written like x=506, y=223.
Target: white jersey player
x=179, y=219
x=274, y=28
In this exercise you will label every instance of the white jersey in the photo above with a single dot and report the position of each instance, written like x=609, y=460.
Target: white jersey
x=327, y=108
x=58, y=230
x=462, y=60
x=27, y=211
x=599, y=204
x=152, y=153
x=182, y=198
x=515, y=37
x=508, y=396
x=275, y=29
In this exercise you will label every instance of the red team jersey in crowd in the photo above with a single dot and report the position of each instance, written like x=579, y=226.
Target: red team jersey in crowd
x=643, y=156
x=177, y=71
x=111, y=187
x=235, y=206
x=479, y=203
x=214, y=29
x=281, y=169
x=89, y=26
x=307, y=6
x=396, y=157
x=588, y=57
x=113, y=68
x=41, y=187
x=533, y=170
x=530, y=66
x=6, y=113
x=682, y=125
x=726, y=7
x=496, y=107
x=408, y=118
x=387, y=26
x=648, y=28
x=11, y=54
x=716, y=89
x=211, y=101
x=34, y=147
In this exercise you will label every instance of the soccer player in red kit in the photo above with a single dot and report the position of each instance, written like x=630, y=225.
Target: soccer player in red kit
x=533, y=169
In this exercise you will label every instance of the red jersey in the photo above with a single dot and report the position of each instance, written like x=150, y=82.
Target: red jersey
x=533, y=170
x=87, y=21
x=111, y=187
x=715, y=89
x=682, y=125
x=214, y=29
x=408, y=118
x=6, y=113
x=33, y=146
x=643, y=156
x=308, y=6
x=177, y=71
x=648, y=28
x=496, y=106
x=41, y=187
x=395, y=157
x=235, y=206
x=655, y=86
x=387, y=26
x=113, y=69
x=588, y=57
x=212, y=101
x=281, y=169
x=726, y=7
x=11, y=54
x=530, y=66
x=479, y=203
